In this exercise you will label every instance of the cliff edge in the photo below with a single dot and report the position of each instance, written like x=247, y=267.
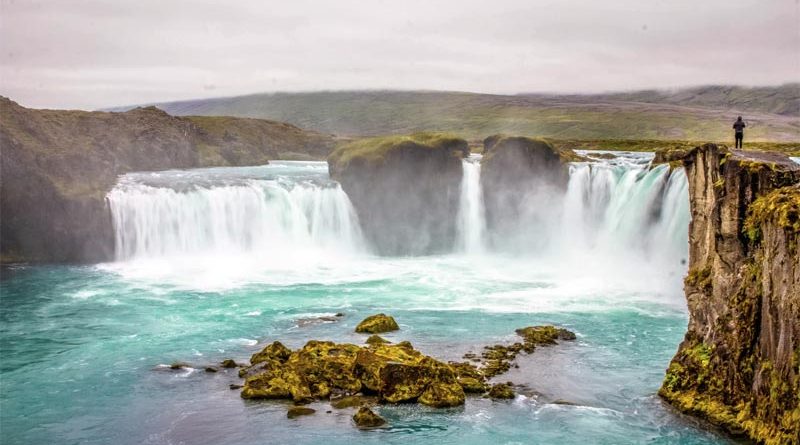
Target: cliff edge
x=737, y=366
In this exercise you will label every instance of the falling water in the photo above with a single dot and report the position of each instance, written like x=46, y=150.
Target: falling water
x=230, y=215
x=471, y=217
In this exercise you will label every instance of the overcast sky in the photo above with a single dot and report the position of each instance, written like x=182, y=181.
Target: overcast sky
x=92, y=53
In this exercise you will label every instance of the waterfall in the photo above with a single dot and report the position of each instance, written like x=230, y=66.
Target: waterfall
x=471, y=218
x=215, y=213
x=626, y=211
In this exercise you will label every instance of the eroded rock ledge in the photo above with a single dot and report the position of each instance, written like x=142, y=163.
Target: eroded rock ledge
x=738, y=364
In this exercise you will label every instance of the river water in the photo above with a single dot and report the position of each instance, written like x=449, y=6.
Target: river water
x=213, y=263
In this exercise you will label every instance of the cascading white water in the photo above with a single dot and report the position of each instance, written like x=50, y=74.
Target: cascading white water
x=627, y=210
x=471, y=216
x=217, y=213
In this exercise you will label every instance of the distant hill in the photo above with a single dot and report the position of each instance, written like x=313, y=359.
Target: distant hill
x=784, y=99
x=700, y=114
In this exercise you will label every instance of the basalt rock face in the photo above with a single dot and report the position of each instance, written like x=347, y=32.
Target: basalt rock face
x=522, y=180
x=738, y=364
x=405, y=190
x=57, y=167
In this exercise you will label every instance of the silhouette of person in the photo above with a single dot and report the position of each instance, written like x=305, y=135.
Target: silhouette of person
x=738, y=128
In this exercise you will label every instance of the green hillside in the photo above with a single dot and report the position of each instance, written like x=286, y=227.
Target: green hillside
x=682, y=115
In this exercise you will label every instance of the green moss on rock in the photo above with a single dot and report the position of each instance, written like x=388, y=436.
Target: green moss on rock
x=376, y=150
x=365, y=418
x=376, y=324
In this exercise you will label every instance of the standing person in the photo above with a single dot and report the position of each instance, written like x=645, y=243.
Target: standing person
x=738, y=128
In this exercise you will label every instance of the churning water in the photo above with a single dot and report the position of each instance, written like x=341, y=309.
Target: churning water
x=212, y=263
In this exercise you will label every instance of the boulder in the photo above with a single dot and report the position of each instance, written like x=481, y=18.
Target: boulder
x=297, y=411
x=376, y=324
x=365, y=418
x=229, y=363
x=376, y=340
x=274, y=351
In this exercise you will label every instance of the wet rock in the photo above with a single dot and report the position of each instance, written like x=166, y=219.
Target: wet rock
x=179, y=365
x=376, y=324
x=563, y=402
x=349, y=402
x=304, y=322
x=297, y=411
x=501, y=391
x=274, y=351
x=211, y=369
x=376, y=339
x=471, y=379
x=365, y=418
x=544, y=335
x=235, y=386
x=442, y=395
x=228, y=363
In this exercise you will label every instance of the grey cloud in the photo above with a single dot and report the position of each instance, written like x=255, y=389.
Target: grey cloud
x=93, y=53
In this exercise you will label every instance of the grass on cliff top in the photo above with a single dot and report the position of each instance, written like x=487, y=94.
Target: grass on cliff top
x=565, y=152
x=376, y=149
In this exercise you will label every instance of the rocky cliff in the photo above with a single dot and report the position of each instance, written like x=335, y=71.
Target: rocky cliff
x=57, y=166
x=738, y=364
x=522, y=179
x=405, y=190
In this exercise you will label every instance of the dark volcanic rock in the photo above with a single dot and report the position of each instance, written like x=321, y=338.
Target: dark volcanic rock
x=405, y=190
x=738, y=364
x=56, y=167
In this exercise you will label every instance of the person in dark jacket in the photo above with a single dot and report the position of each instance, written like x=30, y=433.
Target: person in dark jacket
x=738, y=128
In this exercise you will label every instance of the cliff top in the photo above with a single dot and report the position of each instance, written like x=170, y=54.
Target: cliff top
x=498, y=142
x=771, y=159
x=376, y=150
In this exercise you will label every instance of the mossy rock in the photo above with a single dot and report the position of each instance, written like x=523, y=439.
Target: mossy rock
x=349, y=402
x=376, y=340
x=443, y=395
x=397, y=373
x=501, y=391
x=544, y=335
x=376, y=324
x=375, y=151
x=274, y=351
x=297, y=411
x=365, y=418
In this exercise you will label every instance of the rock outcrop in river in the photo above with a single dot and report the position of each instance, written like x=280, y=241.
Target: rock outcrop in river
x=738, y=364
x=519, y=175
x=405, y=189
x=57, y=167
